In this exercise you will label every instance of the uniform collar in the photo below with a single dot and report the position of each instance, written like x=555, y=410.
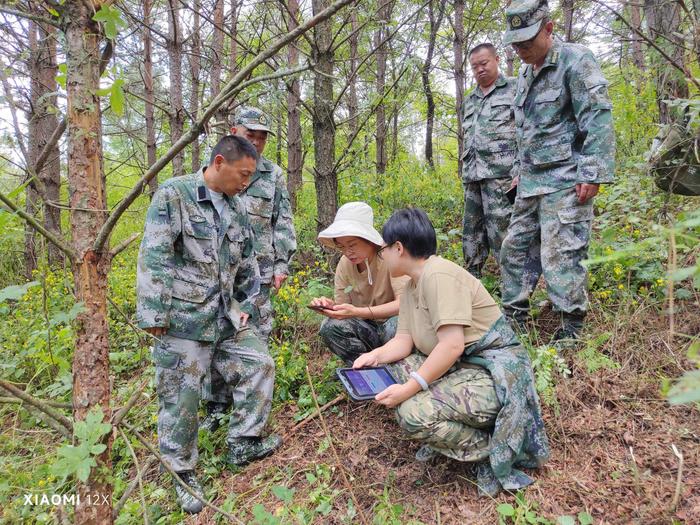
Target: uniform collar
x=500, y=82
x=551, y=59
x=203, y=190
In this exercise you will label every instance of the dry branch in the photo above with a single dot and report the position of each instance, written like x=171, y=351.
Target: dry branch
x=38, y=404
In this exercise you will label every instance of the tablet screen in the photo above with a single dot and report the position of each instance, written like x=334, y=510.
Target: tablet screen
x=369, y=381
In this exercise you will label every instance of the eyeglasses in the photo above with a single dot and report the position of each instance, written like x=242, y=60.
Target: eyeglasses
x=380, y=250
x=527, y=44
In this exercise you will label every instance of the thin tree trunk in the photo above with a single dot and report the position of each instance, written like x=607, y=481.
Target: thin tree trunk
x=32, y=197
x=88, y=202
x=326, y=180
x=194, y=86
x=278, y=121
x=149, y=103
x=510, y=59
x=636, y=22
x=435, y=23
x=217, y=48
x=295, y=158
x=353, y=105
x=380, y=113
x=234, y=32
x=459, y=77
x=567, y=7
x=177, y=110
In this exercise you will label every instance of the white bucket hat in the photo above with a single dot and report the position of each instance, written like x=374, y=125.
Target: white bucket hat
x=353, y=219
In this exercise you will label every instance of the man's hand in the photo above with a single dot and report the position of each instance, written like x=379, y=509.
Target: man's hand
x=368, y=359
x=393, y=395
x=514, y=182
x=341, y=311
x=244, y=318
x=322, y=301
x=156, y=331
x=585, y=191
x=278, y=280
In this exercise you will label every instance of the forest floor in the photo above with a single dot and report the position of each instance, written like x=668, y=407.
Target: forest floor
x=611, y=435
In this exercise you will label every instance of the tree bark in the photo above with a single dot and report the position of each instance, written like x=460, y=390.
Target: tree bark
x=177, y=110
x=567, y=6
x=149, y=95
x=87, y=191
x=636, y=22
x=326, y=180
x=194, y=81
x=435, y=22
x=459, y=77
x=234, y=32
x=295, y=158
x=380, y=113
x=217, y=49
x=353, y=105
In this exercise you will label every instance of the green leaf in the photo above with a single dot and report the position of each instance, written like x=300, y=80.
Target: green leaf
x=17, y=291
x=111, y=20
x=683, y=273
x=566, y=520
x=585, y=519
x=62, y=75
x=283, y=493
x=116, y=97
x=686, y=390
x=506, y=509
x=98, y=449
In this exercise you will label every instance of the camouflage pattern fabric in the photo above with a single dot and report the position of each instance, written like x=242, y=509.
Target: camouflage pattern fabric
x=350, y=338
x=245, y=365
x=565, y=136
x=504, y=400
x=563, y=228
x=193, y=264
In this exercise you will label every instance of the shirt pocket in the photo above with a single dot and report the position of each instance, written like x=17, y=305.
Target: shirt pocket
x=189, y=291
x=235, y=240
x=197, y=239
x=550, y=155
x=547, y=106
x=259, y=203
x=501, y=109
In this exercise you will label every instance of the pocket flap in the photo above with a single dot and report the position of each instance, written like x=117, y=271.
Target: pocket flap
x=549, y=95
x=575, y=214
x=550, y=154
x=234, y=234
x=190, y=292
x=502, y=101
x=164, y=359
x=258, y=191
x=197, y=226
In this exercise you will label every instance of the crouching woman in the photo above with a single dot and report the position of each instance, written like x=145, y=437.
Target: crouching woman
x=466, y=387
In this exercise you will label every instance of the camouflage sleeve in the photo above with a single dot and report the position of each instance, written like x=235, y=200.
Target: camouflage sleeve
x=284, y=239
x=247, y=281
x=154, y=274
x=593, y=112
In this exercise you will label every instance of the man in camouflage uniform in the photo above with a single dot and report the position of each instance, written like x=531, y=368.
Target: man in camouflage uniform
x=566, y=149
x=196, y=272
x=267, y=203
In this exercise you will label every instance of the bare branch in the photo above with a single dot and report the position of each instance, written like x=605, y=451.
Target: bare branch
x=38, y=404
x=30, y=16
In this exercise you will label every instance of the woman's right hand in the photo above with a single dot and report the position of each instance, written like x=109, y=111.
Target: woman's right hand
x=322, y=301
x=368, y=359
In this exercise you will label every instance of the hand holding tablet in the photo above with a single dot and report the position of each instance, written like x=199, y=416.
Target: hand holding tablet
x=363, y=384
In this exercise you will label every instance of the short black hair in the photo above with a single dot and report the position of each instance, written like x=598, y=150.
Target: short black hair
x=485, y=45
x=232, y=148
x=412, y=227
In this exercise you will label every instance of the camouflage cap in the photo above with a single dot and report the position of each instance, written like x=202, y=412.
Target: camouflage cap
x=524, y=20
x=252, y=118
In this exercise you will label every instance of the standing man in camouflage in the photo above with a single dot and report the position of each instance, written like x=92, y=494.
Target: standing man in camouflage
x=566, y=149
x=196, y=274
x=489, y=153
x=267, y=202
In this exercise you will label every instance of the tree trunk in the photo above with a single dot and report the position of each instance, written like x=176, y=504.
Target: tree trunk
x=194, y=85
x=510, y=59
x=177, y=109
x=435, y=22
x=234, y=33
x=295, y=159
x=664, y=26
x=380, y=114
x=217, y=49
x=636, y=22
x=459, y=77
x=353, y=105
x=326, y=180
x=567, y=6
x=87, y=190
x=149, y=96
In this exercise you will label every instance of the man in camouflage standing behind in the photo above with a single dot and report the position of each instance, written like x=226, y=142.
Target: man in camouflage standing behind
x=196, y=275
x=269, y=210
x=566, y=149
x=489, y=153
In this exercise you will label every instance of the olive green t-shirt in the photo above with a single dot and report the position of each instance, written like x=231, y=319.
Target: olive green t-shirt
x=445, y=294
x=353, y=287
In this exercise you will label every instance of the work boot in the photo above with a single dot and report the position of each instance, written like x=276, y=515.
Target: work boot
x=426, y=453
x=571, y=327
x=215, y=412
x=243, y=450
x=187, y=501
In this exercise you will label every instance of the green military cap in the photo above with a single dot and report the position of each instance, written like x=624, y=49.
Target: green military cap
x=252, y=118
x=524, y=20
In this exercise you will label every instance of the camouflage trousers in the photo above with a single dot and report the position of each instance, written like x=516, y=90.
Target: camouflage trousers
x=562, y=227
x=350, y=338
x=455, y=416
x=245, y=365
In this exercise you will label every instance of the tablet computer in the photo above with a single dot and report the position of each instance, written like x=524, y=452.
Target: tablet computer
x=363, y=384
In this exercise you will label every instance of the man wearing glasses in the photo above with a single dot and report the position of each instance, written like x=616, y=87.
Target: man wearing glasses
x=566, y=149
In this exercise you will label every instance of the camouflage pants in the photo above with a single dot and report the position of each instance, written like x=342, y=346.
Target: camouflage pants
x=350, y=338
x=261, y=320
x=563, y=227
x=486, y=218
x=181, y=364
x=455, y=416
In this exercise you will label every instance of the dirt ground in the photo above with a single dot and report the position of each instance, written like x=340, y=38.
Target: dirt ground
x=611, y=439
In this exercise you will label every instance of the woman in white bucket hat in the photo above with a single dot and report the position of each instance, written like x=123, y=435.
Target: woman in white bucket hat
x=363, y=313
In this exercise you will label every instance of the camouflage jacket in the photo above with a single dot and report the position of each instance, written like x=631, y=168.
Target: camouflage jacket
x=190, y=272
x=563, y=123
x=489, y=132
x=267, y=202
